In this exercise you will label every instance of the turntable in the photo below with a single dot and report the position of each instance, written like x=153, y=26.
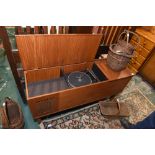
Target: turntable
x=76, y=79
x=66, y=81
x=61, y=73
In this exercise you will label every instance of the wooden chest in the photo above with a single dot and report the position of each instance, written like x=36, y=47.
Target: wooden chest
x=143, y=50
x=47, y=58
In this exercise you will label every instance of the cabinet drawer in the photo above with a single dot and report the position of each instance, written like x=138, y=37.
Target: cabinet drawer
x=142, y=51
x=139, y=58
x=147, y=44
x=135, y=64
x=133, y=42
x=132, y=69
x=135, y=39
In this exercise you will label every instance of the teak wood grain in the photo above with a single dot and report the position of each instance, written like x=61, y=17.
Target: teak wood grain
x=43, y=51
x=110, y=74
x=42, y=74
x=143, y=50
x=146, y=34
x=52, y=103
x=148, y=69
x=77, y=67
x=43, y=57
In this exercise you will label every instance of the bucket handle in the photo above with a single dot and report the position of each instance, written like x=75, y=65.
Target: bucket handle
x=127, y=32
x=120, y=53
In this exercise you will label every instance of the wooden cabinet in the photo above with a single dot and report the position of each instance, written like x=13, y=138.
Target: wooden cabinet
x=143, y=50
x=47, y=59
x=148, y=69
x=56, y=101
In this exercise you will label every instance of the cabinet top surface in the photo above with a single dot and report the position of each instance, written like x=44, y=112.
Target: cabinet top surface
x=146, y=34
x=109, y=73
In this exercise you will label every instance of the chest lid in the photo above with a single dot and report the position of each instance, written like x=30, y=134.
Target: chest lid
x=43, y=51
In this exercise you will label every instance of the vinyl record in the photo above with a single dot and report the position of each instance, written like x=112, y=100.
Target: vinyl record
x=76, y=79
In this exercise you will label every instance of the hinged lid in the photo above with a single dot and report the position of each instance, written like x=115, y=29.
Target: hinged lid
x=43, y=51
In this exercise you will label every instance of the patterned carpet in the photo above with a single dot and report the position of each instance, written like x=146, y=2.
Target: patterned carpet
x=90, y=117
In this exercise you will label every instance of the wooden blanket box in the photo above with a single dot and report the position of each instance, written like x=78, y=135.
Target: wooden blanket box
x=46, y=59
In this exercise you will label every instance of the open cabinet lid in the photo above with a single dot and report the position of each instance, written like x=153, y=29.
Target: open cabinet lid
x=43, y=51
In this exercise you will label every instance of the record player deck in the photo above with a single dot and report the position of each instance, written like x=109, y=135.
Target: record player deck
x=66, y=81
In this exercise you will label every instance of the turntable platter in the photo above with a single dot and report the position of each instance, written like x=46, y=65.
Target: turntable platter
x=76, y=79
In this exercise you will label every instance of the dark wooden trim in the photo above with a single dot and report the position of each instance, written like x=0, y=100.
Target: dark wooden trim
x=8, y=50
x=28, y=30
x=66, y=29
x=105, y=34
x=36, y=30
x=101, y=29
x=95, y=29
x=60, y=29
x=19, y=30
x=16, y=57
x=45, y=29
x=53, y=30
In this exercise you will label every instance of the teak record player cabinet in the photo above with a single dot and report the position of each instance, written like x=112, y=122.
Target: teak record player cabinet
x=44, y=57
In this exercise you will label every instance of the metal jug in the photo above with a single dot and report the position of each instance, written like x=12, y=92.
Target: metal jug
x=120, y=53
x=123, y=47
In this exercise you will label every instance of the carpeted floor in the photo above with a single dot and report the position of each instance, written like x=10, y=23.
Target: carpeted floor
x=90, y=117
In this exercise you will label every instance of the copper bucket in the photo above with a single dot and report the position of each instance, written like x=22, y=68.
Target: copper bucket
x=120, y=54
